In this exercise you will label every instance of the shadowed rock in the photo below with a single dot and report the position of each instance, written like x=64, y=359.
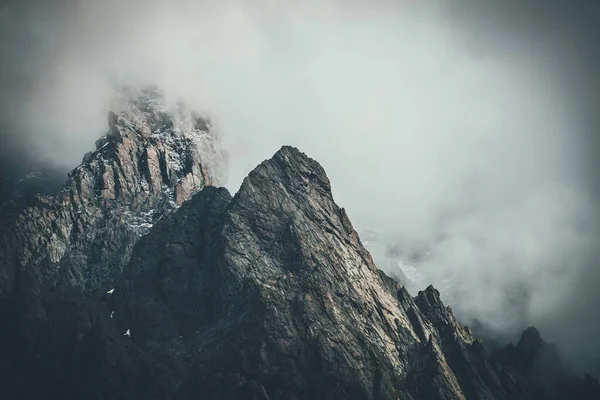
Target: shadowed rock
x=539, y=366
x=145, y=166
x=266, y=295
x=272, y=295
x=61, y=249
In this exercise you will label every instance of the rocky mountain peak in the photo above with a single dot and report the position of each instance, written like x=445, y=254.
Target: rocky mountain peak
x=152, y=146
x=154, y=156
x=271, y=294
x=531, y=341
x=141, y=279
x=282, y=206
x=540, y=366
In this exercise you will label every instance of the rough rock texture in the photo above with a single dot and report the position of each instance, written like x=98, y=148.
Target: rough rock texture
x=269, y=295
x=77, y=241
x=266, y=295
x=145, y=166
x=324, y=322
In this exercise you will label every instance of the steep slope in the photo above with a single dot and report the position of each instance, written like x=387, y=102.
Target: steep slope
x=60, y=249
x=149, y=162
x=273, y=296
x=267, y=295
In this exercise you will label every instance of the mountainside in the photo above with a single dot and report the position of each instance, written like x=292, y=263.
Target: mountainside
x=272, y=294
x=142, y=279
x=150, y=161
x=154, y=156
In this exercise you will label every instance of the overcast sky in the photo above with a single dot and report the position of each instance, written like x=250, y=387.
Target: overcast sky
x=469, y=126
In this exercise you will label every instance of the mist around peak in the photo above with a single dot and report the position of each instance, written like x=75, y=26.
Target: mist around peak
x=470, y=127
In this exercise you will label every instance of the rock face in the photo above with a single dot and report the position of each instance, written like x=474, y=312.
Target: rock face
x=77, y=241
x=147, y=164
x=272, y=295
x=266, y=295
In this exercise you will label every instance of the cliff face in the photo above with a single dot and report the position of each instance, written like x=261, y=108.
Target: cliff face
x=273, y=295
x=269, y=294
x=111, y=290
x=150, y=161
x=61, y=248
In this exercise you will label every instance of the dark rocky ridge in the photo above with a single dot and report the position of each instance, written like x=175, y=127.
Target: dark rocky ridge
x=266, y=295
x=289, y=303
x=539, y=366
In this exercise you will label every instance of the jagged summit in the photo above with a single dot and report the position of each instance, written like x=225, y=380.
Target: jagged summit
x=531, y=341
x=154, y=156
x=117, y=288
x=539, y=366
x=153, y=146
x=293, y=169
x=271, y=295
x=157, y=114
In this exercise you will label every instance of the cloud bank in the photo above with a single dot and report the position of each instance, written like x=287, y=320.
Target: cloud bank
x=467, y=126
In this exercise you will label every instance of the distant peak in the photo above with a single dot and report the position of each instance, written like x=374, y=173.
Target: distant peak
x=147, y=98
x=291, y=150
x=531, y=340
x=430, y=296
x=531, y=332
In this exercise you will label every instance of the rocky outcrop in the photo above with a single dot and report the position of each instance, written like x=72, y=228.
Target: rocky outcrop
x=57, y=250
x=128, y=284
x=324, y=320
x=266, y=295
x=147, y=164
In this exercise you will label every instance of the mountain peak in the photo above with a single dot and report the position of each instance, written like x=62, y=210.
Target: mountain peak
x=150, y=147
x=531, y=341
x=155, y=156
x=289, y=195
x=119, y=287
x=149, y=109
x=292, y=169
x=287, y=303
x=539, y=366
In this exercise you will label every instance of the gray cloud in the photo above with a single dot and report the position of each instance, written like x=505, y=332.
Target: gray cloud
x=468, y=126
